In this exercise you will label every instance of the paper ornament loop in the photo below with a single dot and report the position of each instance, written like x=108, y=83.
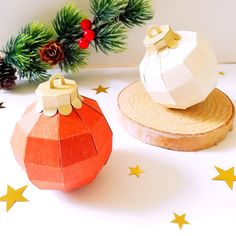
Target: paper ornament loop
x=153, y=31
x=54, y=77
x=58, y=95
x=159, y=38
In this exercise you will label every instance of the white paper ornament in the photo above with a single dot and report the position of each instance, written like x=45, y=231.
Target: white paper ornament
x=179, y=69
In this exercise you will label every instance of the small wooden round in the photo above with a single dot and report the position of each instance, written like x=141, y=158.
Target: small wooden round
x=198, y=127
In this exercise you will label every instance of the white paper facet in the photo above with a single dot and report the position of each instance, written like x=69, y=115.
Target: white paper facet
x=180, y=77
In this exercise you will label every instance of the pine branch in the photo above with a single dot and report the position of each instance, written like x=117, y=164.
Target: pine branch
x=75, y=58
x=67, y=24
x=22, y=51
x=111, y=38
x=106, y=10
x=137, y=12
x=111, y=17
x=27, y=51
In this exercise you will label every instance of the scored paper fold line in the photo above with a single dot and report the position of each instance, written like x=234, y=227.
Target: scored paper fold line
x=180, y=77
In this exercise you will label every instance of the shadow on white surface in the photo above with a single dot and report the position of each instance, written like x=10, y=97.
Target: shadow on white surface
x=23, y=87
x=101, y=75
x=114, y=190
x=85, y=78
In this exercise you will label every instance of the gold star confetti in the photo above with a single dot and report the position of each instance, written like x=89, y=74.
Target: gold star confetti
x=226, y=175
x=1, y=105
x=180, y=220
x=136, y=171
x=13, y=196
x=221, y=73
x=101, y=89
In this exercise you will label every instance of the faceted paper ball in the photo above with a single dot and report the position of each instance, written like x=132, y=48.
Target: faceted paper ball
x=180, y=77
x=63, y=152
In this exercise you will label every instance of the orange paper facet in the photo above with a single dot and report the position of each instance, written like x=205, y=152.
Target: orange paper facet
x=63, y=152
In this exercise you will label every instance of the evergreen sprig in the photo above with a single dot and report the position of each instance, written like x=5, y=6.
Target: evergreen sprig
x=67, y=26
x=136, y=12
x=111, y=38
x=75, y=58
x=107, y=10
x=22, y=51
x=111, y=17
x=111, y=20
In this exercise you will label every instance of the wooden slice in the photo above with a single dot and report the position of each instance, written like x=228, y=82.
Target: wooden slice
x=198, y=127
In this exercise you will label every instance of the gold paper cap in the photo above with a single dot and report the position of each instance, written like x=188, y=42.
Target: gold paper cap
x=57, y=95
x=158, y=38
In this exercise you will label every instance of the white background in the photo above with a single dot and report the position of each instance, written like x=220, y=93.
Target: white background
x=115, y=203
x=216, y=19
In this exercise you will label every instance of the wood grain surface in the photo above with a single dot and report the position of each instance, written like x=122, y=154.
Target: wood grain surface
x=198, y=127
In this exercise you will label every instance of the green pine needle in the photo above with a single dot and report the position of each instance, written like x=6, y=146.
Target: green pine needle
x=111, y=17
x=137, y=12
x=75, y=58
x=69, y=31
x=106, y=10
x=111, y=38
x=67, y=24
x=22, y=51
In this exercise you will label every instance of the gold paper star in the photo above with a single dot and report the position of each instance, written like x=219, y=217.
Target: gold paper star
x=221, y=73
x=101, y=89
x=226, y=175
x=13, y=196
x=1, y=105
x=180, y=220
x=136, y=171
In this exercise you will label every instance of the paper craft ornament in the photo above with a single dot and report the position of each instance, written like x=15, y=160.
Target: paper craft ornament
x=179, y=69
x=63, y=140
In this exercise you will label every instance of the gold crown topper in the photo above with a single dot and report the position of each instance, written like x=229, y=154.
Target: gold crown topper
x=158, y=38
x=58, y=95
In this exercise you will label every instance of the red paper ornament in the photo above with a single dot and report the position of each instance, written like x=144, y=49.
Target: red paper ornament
x=66, y=145
x=86, y=24
x=83, y=43
x=89, y=35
